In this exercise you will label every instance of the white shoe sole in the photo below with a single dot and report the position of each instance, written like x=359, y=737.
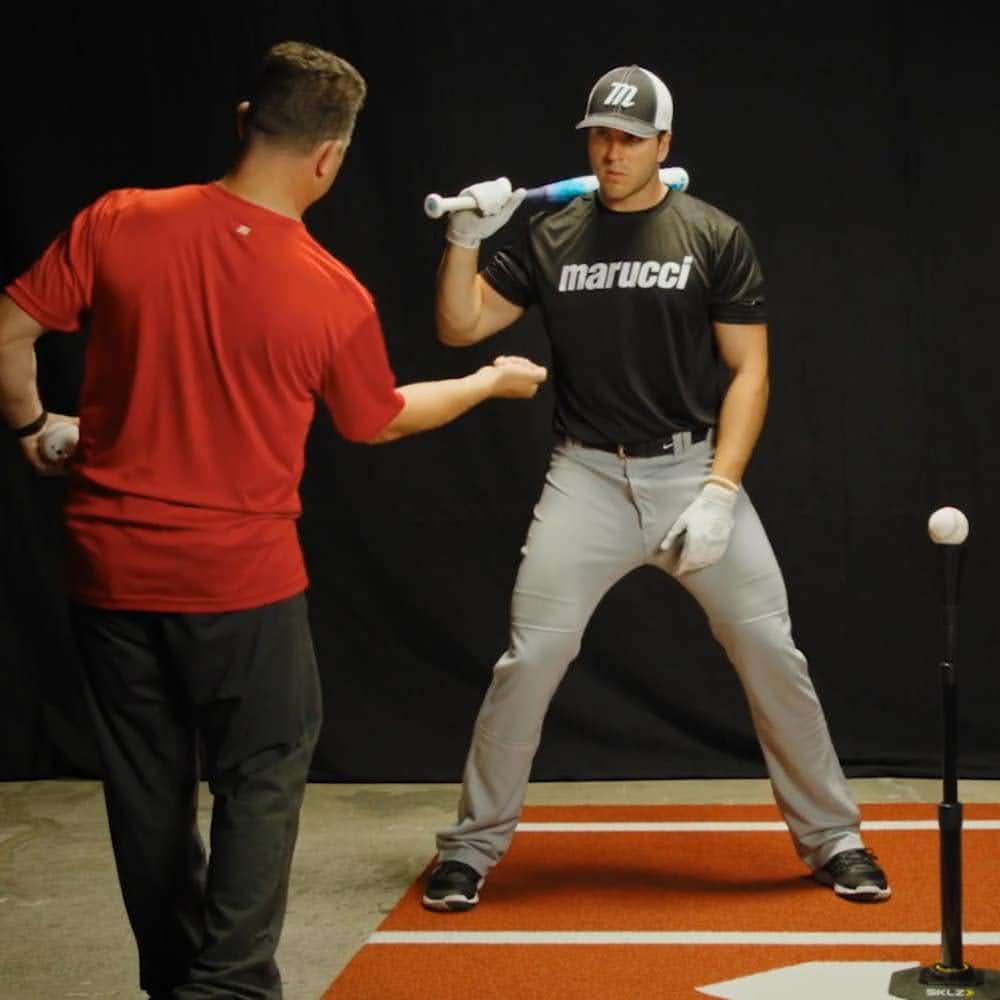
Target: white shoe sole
x=455, y=903
x=861, y=894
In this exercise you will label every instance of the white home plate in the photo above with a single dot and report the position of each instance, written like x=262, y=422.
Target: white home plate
x=815, y=980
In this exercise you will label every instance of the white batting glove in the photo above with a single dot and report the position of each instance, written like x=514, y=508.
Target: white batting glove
x=496, y=204
x=706, y=524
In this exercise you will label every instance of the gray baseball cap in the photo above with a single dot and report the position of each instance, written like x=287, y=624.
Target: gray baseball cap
x=631, y=99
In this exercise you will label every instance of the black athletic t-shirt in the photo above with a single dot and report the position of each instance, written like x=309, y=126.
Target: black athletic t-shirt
x=628, y=300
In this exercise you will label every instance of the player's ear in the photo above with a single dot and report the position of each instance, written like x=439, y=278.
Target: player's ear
x=664, y=148
x=242, y=111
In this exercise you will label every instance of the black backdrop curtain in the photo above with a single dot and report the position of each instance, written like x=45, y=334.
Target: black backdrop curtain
x=857, y=146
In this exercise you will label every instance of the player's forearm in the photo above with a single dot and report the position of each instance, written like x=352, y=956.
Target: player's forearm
x=740, y=422
x=19, y=399
x=459, y=302
x=432, y=404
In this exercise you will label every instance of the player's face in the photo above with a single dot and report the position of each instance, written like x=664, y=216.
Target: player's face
x=627, y=167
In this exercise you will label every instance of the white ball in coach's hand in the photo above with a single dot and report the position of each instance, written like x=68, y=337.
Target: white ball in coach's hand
x=948, y=526
x=58, y=442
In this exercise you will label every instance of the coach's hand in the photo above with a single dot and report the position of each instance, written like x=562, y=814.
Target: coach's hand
x=514, y=377
x=495, y=202
x=706, y=525
x=31, y=448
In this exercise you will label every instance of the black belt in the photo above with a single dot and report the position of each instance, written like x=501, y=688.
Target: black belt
x=648, y=449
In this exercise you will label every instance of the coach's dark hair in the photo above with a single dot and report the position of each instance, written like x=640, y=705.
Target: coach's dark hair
x=304, y=95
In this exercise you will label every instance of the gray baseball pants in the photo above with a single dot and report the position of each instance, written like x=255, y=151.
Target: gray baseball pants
x=599, y=517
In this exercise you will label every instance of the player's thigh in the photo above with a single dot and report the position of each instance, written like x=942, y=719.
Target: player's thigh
x=584, y=535
x=746, y=584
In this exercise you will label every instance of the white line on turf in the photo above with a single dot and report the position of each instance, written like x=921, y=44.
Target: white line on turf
x=809, y=938
x=735, y=826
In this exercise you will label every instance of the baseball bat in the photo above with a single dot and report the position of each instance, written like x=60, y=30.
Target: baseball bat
x=556, y=193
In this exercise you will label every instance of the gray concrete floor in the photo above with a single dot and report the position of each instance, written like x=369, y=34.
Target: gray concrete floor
x=62, y=927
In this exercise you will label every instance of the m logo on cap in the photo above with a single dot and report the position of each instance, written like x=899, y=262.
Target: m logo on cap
x=622, y=95
x=632, y=99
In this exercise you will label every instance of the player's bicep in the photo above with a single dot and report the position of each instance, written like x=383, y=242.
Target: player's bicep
x=497, y=312
x=742, y=346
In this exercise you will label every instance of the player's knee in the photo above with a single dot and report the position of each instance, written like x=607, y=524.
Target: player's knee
x=540, y=607
x=526, y=677
x=762, y=643
x=542, y=650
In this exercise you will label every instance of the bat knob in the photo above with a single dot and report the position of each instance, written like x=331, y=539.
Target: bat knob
x=433, y=206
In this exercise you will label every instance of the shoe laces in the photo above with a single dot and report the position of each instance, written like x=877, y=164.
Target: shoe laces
x=857, y=857
x=447, y=867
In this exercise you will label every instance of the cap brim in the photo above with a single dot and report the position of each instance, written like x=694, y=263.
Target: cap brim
x=642, y=129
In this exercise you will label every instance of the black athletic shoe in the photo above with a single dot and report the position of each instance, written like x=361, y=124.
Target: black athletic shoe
x=453, y=885
x=855, y=875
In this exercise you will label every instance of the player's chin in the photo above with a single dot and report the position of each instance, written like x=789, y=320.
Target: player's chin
x=614, y=185
x=614, y=191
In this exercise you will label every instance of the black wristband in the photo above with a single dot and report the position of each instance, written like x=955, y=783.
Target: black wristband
x=33, y=428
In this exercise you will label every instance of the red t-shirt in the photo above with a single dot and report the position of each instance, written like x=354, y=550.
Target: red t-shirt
x=214, y=325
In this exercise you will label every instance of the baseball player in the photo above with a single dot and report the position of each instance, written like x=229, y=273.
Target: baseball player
x=642, y=291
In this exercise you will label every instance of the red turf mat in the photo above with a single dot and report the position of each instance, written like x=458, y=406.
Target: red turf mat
x=674, y=882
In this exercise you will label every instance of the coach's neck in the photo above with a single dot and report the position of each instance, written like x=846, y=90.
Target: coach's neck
x=281, y=177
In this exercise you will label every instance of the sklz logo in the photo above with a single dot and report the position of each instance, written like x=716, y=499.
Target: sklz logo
x=621, y=95
x=625, y=274
x=932, y=992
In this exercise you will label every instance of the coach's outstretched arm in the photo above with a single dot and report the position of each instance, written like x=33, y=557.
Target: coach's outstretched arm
x=431, y=404
x=467, y=309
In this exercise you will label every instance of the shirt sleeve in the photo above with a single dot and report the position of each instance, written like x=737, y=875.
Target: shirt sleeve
x=738, y=283
x=510, y=273
x=360, y=388
x=59, y=286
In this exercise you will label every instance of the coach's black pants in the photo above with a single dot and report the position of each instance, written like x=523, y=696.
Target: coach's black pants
x=247, y=682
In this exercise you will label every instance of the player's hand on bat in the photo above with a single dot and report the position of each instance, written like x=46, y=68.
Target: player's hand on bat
x=515, y=377
x=703, y=528
x=496, y=203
